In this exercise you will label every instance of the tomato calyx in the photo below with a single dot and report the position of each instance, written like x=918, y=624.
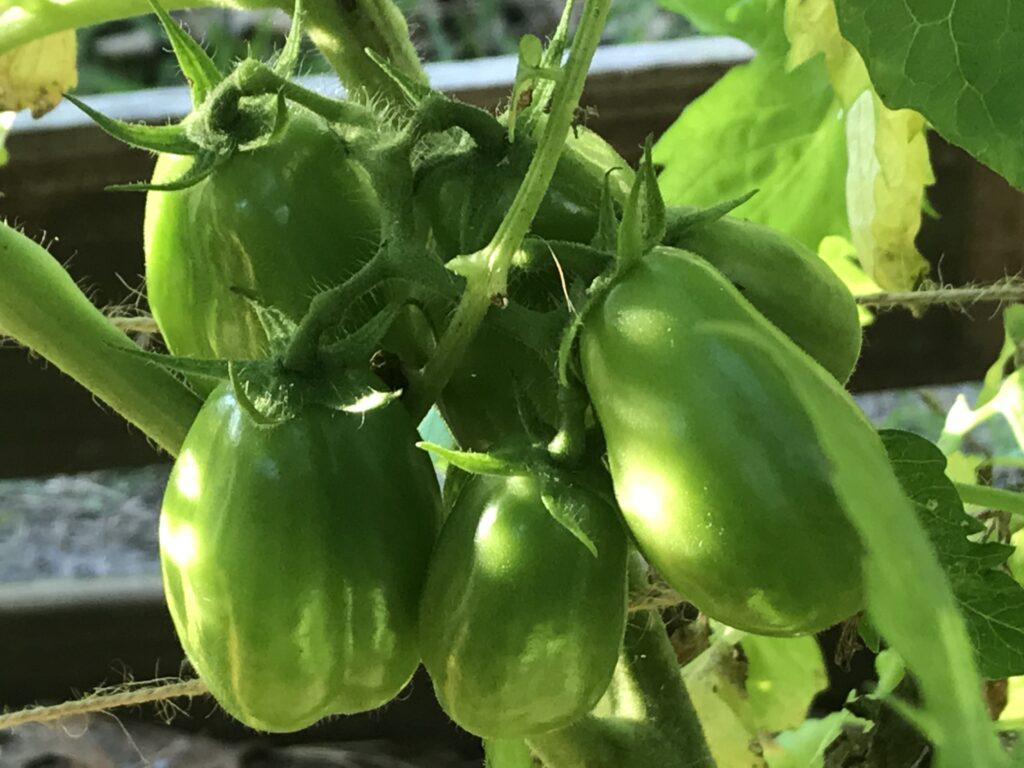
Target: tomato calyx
x=565, y=491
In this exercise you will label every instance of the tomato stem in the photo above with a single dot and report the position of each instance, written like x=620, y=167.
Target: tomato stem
x=43, y=309
x=490, y=281
x=992, y=498
x=254, y=77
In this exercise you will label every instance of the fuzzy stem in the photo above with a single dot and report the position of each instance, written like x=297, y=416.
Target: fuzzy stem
x=991, y=498
x=344, y=29
x=42, y=308
x=488, y=275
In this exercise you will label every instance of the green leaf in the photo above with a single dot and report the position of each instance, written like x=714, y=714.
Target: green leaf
x=715, y=682
x=958, y=64
x=762, y=128
x=472, y=461
x=757, y=22
x=908, y=595
x=805, y=746
x=784, y=674
x=1013, y=341
x=643, y=220
x=568, y=509
x=991, y=601
x=197, y=66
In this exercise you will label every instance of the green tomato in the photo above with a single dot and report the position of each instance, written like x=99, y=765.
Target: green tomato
x=788, y=284
x=293, y=558
x=716, y=465
x=282, y=221
x=520, y=625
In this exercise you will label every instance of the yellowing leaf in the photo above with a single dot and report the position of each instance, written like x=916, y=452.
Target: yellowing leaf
x=888, y=171
x=888, y=163
x=784, y=674
x=812, y=28
x=36, y=75
x=841, y=256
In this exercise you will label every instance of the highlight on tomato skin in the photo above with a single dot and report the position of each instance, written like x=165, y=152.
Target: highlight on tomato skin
x=293, y=557
x=716, y=465
x=520, y=625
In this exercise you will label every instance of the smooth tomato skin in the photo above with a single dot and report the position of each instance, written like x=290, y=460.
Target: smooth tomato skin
x=282, y=221
x=715, y=462
x=520, y=626
x=788, y=284
x=293, y=557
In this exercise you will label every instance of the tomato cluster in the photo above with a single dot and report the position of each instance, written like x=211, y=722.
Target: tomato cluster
x=309, y=560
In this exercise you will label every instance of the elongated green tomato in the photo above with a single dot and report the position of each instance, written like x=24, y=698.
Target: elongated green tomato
x=788, y=284
x=716, y=465
x=520, y=625
x=293, y=559
x=282, y=221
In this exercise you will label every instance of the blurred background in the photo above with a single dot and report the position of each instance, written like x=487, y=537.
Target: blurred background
x=131, y=54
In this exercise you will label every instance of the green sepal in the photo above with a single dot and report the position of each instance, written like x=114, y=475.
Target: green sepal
x=681, y=224
x=197, y=66
x=562, y=502
x=205, y=164
x=189, y=366
x=278, y=327
x=156, y=138
x=413, y=90
x=350, y=394
x=358, y=346
x=262, y=407
x=643, y=220
x=533, y=425
x=474, y=462
x=287, y=63
x=606, y=238
x=280, y=122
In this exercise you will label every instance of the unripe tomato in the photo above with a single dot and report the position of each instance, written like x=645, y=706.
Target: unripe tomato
x=716, y=464
x=520, y=624
x=788, y=284
x=293, y=559
x=282, y=221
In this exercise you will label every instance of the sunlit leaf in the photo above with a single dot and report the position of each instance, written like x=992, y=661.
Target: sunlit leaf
x=36, y=75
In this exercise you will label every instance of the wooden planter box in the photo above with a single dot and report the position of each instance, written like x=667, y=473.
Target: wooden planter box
x=54, y=183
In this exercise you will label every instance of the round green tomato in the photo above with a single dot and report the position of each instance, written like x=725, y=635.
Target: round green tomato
x=293, y=558
x=788, y=284
x=520, y=625
x=282, y=221
x=716, y=465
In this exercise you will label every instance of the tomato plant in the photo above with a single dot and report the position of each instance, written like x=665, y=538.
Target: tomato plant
x=643, y=371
